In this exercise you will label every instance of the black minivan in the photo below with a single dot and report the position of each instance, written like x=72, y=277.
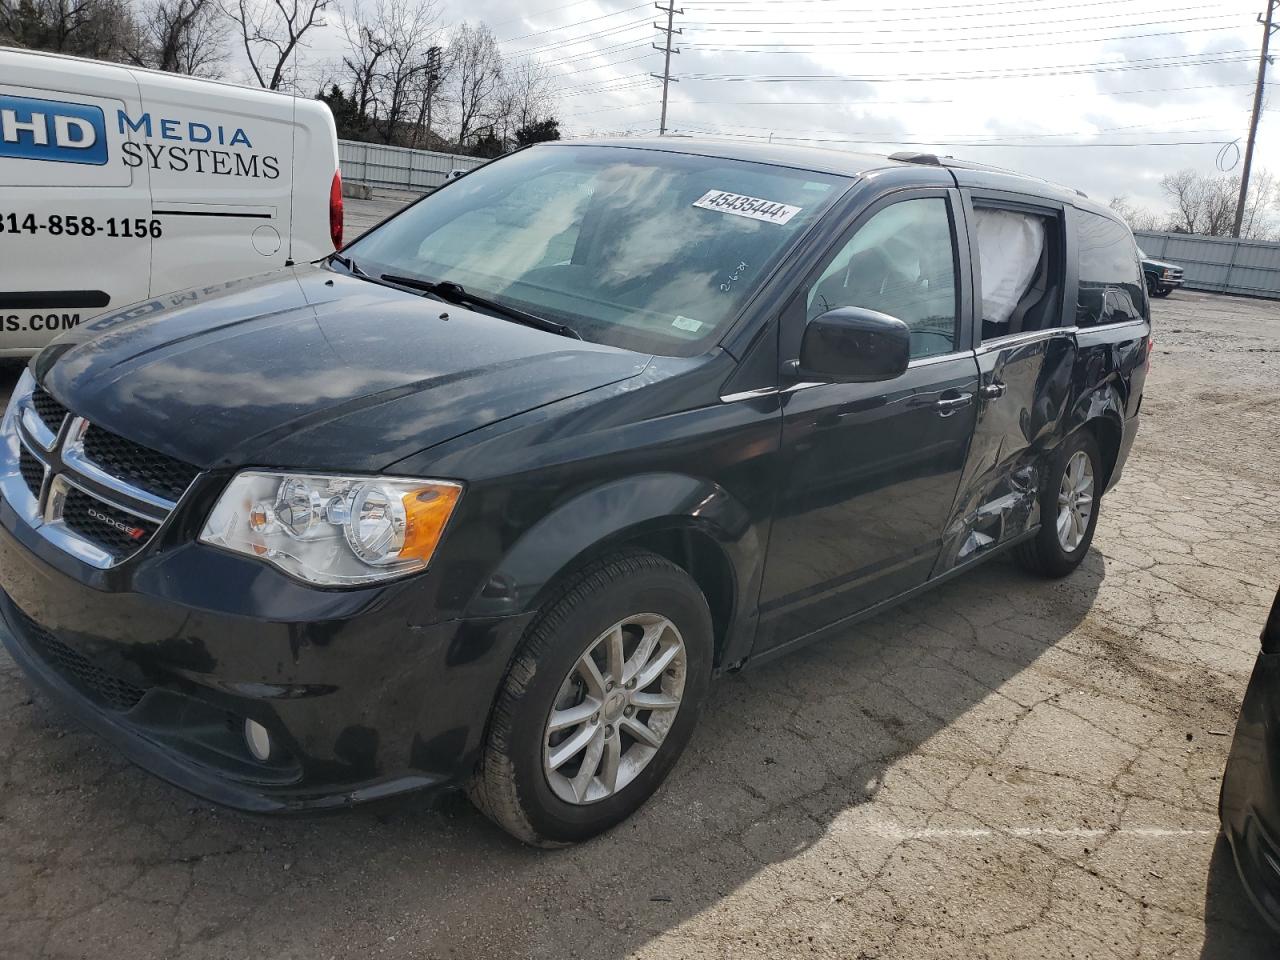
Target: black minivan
x=490, y=496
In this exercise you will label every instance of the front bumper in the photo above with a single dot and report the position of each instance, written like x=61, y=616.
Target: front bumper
x=1250, y=805
x=167, y=657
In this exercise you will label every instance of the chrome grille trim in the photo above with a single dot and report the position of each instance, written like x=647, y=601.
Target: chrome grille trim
x=67, y=468
x=73, y=456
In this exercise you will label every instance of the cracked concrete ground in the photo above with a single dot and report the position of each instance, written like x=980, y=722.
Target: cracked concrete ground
x=1004, y=768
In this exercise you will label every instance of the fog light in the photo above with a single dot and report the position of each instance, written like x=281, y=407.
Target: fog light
x=257, y=740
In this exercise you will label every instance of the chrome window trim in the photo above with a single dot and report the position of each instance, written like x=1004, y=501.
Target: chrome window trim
x=1018, y=339
x=793, y=388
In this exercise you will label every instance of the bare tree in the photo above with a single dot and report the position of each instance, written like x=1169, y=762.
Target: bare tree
x=102, y=29
x=366, y=48
x=272, y=31
x=183, y=36
x=1259, y=221
x=1206, y=204
x=410, y=29
x=1138, y=218
x=477, y=77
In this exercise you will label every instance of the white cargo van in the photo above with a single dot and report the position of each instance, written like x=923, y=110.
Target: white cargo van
x=120, y=185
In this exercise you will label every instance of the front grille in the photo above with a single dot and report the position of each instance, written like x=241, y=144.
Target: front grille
x=117, y=532
x=99, y=685
x=32, y=471
x=49, y=410
x=133, y=463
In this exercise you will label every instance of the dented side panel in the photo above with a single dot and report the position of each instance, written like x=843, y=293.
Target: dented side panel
x=1001, y=480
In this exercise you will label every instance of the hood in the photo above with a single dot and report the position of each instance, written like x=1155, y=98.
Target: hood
x=1159, y=264
x=309, y=368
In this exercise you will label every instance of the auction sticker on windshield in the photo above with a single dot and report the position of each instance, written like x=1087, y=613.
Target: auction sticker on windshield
x=753, y=207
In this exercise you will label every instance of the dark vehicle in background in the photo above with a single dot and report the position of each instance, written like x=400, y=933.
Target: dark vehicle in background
x=1162, y=278
x=489, y=497
x=1250, y=805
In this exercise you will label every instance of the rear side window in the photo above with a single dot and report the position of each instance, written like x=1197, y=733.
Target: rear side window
x=1111, y=287
x=1020, y=261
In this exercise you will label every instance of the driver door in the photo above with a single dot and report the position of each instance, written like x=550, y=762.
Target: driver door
x=870, y=470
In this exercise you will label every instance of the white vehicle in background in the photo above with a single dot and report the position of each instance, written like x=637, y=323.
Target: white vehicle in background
x=119, y=185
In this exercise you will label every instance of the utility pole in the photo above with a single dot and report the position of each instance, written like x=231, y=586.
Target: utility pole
x=1267, y=28
x=667, y=50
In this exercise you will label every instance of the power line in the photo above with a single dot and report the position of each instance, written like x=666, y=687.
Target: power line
x=867, y=104
x=1003, y=74
x=826, y=29
x=856, y=46
x=576, y=23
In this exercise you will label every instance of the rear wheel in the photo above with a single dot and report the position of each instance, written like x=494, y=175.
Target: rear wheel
x=1069, y=504
x=599, y=703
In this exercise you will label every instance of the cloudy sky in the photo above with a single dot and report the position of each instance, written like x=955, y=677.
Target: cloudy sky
x=1103, y=95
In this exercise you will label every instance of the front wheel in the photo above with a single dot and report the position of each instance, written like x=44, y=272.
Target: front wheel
x=600, y=701
x=1069, y=504
x=1163, y=292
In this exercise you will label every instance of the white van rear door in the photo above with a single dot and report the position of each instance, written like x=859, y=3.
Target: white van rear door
x=76, y=227
x=219, y=158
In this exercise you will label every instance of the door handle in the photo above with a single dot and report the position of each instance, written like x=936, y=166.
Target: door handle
x=949, y=405
x=991, y=391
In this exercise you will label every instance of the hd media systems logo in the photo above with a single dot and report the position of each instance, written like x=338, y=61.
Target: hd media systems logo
x=52, y=130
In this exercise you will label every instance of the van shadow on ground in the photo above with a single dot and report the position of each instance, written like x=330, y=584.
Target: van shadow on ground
x=103, y=860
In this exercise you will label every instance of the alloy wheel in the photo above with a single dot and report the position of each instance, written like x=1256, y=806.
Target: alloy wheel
x=1075, y=501
x=614, y=709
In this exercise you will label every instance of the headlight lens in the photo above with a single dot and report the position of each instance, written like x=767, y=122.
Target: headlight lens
x=333, y=531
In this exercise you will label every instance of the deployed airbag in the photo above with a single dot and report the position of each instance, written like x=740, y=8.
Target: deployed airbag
x=1010, y=246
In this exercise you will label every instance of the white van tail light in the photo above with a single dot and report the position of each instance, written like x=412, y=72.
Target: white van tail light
x=335, y=210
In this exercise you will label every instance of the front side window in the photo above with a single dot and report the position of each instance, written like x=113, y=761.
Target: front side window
x=641, y=249
x=900, y=262
x=1111, y=284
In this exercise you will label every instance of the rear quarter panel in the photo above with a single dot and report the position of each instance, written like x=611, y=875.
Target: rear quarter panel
x=220, y=159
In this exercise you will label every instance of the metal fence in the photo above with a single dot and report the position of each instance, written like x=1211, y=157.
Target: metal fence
x=1249, y=267
x=398, y=167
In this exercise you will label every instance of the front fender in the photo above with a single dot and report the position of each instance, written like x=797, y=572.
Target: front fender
x=614, y=513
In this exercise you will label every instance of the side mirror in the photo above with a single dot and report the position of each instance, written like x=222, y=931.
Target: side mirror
x=854, y=345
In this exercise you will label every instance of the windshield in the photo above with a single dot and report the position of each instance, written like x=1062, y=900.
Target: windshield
x=642, y=249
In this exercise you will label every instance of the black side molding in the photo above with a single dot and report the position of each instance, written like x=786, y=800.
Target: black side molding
x=210, y=213
x=52, y=299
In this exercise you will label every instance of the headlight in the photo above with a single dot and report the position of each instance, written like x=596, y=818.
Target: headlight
x=1168, y=272
x=334, y=531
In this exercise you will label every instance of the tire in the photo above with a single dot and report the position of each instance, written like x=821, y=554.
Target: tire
x=1046, y=554
x=1163, y=292
x=514, y=784
x=1152, y=287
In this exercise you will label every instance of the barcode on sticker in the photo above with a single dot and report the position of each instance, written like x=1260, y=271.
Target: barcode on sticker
x=770, y=211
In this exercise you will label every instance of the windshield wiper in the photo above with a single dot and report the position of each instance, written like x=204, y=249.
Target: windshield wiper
x=451, y=292
x=349, y=264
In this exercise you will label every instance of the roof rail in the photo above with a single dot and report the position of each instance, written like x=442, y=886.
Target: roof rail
x=908, y=156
